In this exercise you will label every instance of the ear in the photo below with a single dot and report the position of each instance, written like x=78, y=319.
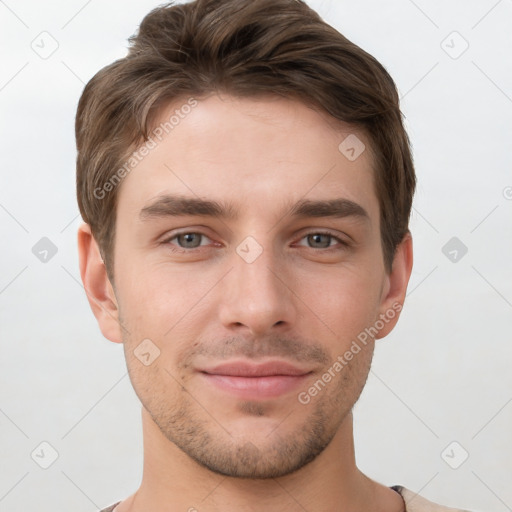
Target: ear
x=98, y=288
x=395, y=286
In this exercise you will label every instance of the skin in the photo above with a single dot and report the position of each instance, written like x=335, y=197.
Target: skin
x=304, y=299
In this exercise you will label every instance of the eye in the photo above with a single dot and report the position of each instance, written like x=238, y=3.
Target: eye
x=187, y=240
x=322, y=240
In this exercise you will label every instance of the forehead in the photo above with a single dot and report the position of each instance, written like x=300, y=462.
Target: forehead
x=258, y=152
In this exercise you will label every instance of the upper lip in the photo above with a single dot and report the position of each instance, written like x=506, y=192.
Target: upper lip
x=242, y=368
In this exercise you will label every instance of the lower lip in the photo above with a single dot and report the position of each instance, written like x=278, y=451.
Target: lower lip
x=256, y=387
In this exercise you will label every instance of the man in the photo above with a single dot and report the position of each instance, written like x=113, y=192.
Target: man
x=235, y=137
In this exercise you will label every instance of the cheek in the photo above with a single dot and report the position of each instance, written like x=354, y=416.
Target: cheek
x=345, y=299
x=153, y=296
x=156, y=384
x=170, y=307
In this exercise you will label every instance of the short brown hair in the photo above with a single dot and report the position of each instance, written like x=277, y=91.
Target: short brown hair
x=244, y=48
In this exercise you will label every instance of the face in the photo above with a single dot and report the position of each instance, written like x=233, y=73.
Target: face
x=282, y=265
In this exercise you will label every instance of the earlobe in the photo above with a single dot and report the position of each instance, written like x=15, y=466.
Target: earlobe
x=394, y=294
x=98, y=288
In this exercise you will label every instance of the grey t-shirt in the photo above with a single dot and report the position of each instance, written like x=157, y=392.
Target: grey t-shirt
x=111, y=508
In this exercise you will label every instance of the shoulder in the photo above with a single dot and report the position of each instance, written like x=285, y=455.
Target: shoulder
x=416, y=503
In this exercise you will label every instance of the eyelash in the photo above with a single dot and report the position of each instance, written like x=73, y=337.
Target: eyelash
x=175, y=248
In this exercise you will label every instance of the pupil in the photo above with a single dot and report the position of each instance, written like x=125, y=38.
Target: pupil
x=317, y=239
x=189, y=238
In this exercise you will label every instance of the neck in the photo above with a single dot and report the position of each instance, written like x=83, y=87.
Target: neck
x=173, y=481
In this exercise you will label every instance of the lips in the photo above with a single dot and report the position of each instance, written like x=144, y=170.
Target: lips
x=255, y=381
x=245, y=369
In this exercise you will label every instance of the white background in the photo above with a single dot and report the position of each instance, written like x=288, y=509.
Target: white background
x=443, y=375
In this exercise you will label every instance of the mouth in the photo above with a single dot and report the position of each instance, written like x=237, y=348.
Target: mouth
x=255, y=381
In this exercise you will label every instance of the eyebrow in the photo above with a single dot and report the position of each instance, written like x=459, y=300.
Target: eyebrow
x=169, y=205
x=337, y=208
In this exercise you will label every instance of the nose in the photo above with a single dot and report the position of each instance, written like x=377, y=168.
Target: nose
x=256, y=296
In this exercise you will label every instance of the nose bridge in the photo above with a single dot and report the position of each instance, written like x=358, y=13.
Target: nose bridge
x=254, y=295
